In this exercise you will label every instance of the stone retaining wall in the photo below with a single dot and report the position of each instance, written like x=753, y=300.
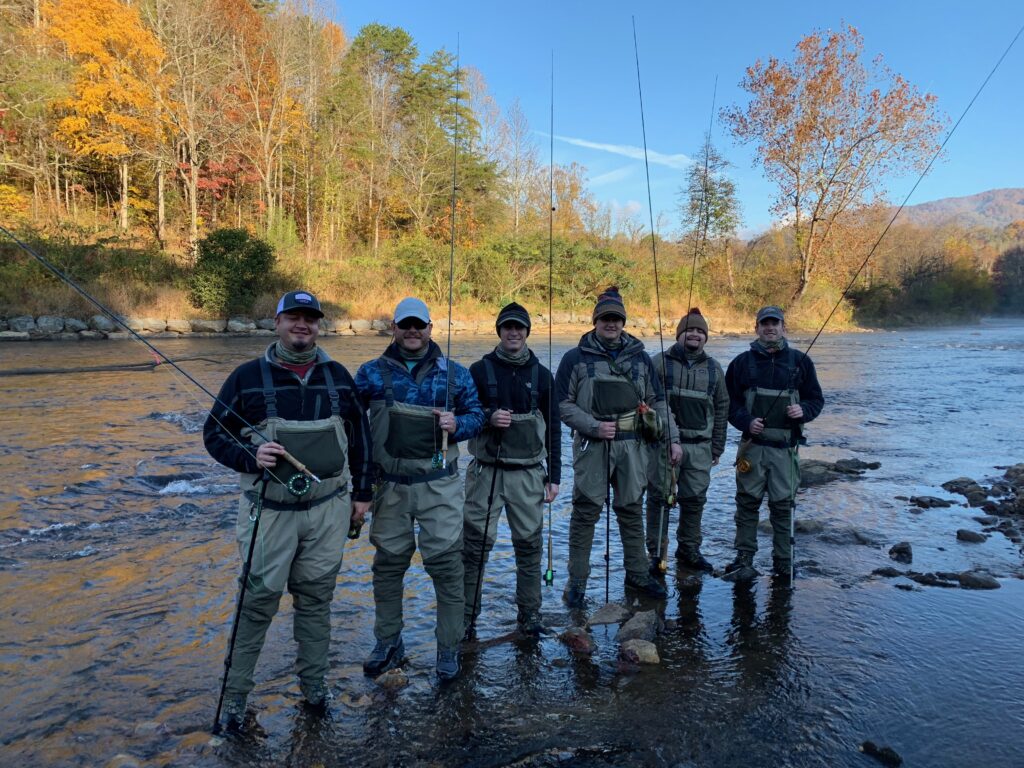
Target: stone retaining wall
x=51, y=327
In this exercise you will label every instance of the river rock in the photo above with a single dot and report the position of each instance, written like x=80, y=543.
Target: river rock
x=360, y=326
x=1015, y=475
x=22, y=324
x=972, y=537
x=241, y=325
x=847, y=535
x=961, y=485
x=134, y=323
x=884, y=755
x=49, y=324
x=986, y=519
x=208, y=326
x=928, y=502
x=929, y=579
x=103, y=324
x=154, y=324
x=91, y=335
x=888, y=572
x=977, y=580
x=578, y=640
x=179, y=326
x=643, y=626
x=74, y=325
x=856, y=466
x=4, y=325
x=267, y=323
x=263, y=332
x=902, y=552
x=393, y=680
x=380, y=325
x=346, y=332
x=639, y=652
x=610, y=613
x=15, y=336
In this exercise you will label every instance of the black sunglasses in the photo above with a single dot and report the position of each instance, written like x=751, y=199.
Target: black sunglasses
x=411, y=322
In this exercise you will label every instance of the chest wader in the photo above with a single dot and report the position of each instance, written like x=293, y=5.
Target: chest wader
x=522, y=442
x=320, y=444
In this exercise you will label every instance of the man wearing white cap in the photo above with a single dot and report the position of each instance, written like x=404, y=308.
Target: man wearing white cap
x=413, y=394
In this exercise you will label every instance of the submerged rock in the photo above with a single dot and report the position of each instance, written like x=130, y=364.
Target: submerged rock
x=848, y=535
x=928, y=502
x=929, y=579
x=884, y=755
x=578, y=640
x=888, y=572
x=639, y=652
x=610, y=613
x=817, y=472
x=977, y=580
x=902, y=552
x=961, y=485
x=643, y=626
x=393, y=680
x=972, y=537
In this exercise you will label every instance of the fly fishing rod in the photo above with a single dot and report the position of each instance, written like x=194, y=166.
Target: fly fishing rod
x=451, y=257
x=864, y=263
x=660, y=556
x=549, y=574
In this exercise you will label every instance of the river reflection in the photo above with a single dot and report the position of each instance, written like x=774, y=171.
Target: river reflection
x=117, y=573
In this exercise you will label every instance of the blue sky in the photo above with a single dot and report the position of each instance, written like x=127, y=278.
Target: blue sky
x=944, y=47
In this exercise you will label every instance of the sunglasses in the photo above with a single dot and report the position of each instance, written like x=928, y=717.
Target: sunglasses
x=610, y=318
x=411, y=322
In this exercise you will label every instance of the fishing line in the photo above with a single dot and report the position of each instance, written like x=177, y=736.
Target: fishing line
x=549, y=574
x=451, y=255
x=152, y=348
x=657, y=296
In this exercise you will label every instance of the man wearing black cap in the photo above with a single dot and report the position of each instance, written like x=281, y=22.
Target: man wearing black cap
x=773, y=392
x=296, y=399
x=700, y=406
x=521, y=432
x=606, y=389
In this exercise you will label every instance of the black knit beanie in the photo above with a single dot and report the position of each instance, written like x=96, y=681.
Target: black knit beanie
x=513, y=313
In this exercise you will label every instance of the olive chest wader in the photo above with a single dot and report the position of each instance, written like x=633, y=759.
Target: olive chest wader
x=691, y=394
x=768, y=463
x=508, y=468
x=412, y=489
x=609, y=393
x=296, y=543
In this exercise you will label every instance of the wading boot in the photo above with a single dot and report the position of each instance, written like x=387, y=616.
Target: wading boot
x=575, y=592
x=317, y=698
x=528, y=622
x=742, y=568
x=234, y=713
x=780, y=571
x=448, y=666
x=647, y=584
x=385, y=655
x=694, y=560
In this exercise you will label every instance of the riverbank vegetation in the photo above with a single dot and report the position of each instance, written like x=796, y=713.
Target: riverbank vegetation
x=129, y=132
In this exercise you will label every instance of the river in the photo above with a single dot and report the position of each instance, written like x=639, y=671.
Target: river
x=117, y=574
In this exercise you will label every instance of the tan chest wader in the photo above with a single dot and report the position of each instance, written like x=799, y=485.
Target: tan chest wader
x=522, y=442
x=320, y=444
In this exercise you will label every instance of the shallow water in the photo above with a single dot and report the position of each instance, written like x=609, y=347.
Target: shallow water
x=117, y=573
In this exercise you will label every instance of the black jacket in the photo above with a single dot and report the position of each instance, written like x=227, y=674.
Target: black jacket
x=773, y=372
x=241, y=403
x=514, y=395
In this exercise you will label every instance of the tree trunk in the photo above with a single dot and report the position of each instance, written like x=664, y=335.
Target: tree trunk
x=124, y=196
x=161, y=206
x=728, y=268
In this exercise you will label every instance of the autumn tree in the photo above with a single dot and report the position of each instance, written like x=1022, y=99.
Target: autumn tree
x=829, y=129
x=109, y=113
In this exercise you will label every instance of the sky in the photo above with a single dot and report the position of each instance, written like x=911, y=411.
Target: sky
x=943, y=47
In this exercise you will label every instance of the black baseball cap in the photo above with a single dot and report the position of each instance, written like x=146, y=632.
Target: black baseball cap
x=299, y=300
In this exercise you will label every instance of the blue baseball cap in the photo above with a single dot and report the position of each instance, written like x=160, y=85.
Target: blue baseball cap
x=412, y=307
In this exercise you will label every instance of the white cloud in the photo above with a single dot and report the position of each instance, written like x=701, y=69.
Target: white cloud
x=612, y=176
x=679, y=162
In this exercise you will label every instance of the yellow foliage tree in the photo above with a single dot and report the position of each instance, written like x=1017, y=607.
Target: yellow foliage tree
x=110, y=112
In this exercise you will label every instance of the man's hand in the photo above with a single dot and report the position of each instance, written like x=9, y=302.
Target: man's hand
x=714, y=461
x=795, y=411
x=675, y=454
x=359, y=510
x=446, y=420
x=550, y=491
x=267, y=453
x=501, y=418
x=756, y=427
x=606, y=430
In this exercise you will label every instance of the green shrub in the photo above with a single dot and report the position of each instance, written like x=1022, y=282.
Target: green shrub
x=232, y=269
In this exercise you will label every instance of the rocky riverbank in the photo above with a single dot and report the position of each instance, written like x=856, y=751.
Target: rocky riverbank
x=56, y=328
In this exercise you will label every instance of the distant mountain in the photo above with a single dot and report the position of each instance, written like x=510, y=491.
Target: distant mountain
x=995, y=208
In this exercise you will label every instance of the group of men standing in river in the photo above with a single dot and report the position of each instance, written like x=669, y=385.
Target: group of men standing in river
x=639, y=425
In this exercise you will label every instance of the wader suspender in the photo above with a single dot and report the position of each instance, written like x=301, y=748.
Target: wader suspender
x=794, y=378
x=670, y=376
x=389, y=400
x=270, y=398
x=635, y=368
x=492, y=384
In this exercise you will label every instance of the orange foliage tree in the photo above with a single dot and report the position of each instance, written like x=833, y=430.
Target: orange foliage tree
x=829, y=129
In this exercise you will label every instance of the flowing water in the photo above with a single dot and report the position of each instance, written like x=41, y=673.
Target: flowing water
x=118, y=568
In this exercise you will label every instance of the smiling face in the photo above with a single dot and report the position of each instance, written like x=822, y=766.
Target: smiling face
x=513, y=337
x=411, y=334
x=693, y=339
x=297, y=329
x=770, y=329
x=609, y=327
